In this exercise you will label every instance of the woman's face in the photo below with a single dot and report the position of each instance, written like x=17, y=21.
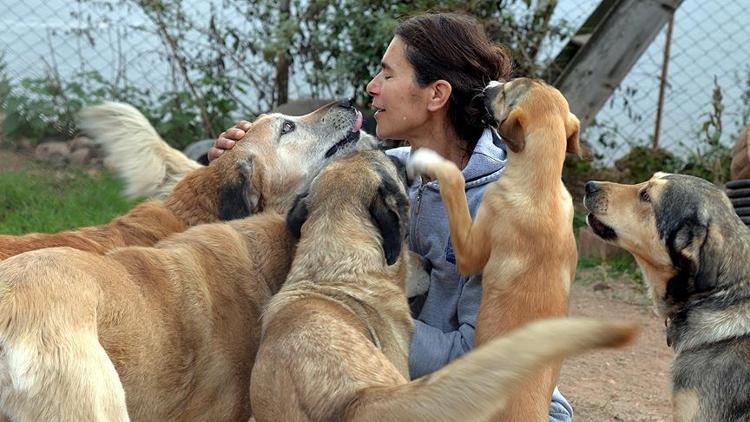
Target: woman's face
x=400, y=104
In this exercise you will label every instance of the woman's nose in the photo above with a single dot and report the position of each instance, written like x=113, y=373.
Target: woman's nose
x=372, y=87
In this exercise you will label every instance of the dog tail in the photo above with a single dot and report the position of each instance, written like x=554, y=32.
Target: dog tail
x=149, y=166
x=478, y=385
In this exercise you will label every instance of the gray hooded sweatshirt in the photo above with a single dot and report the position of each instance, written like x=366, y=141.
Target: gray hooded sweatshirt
x=445, y=316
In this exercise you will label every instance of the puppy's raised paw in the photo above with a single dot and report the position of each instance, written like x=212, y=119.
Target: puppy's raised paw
x=423, y=161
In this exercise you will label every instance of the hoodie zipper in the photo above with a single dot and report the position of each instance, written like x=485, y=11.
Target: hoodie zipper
x=418, y=200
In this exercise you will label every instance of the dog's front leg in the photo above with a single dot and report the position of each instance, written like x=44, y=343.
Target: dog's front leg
x=470, y=241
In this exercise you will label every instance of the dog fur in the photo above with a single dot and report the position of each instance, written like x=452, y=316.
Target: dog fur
x=263, y=171
x=336, y=337
x=522, y=237
x=157, y=333
x=693, y=251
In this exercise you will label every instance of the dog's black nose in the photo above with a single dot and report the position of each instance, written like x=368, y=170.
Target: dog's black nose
x=346, y=103
x=591, y=187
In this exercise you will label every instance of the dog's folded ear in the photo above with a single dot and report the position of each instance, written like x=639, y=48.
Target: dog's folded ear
x=694, y=248
x=297, y=215
x=512, y=130
x=389, y=214
x=572, y=132
x=237, y=197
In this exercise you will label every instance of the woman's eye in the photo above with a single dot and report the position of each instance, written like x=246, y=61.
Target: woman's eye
x=645, y=197
x=287, y=127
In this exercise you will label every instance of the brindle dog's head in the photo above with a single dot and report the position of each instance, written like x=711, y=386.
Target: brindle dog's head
x=280, y=153
x=682, y=231
x=357, y=204
x=521, y=103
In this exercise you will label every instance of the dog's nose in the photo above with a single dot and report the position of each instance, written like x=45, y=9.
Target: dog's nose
x=591, y=188
x=346, y=103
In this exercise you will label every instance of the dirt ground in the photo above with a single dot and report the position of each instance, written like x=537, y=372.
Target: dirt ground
x=630, y=384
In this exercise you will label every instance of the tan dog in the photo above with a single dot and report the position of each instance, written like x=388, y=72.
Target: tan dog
x=693, y=251
x=336, y=337
x=161, y=333
x=522, y=237
x=263, y=171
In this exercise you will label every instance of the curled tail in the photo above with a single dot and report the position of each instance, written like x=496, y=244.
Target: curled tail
x=149, y=166
x=477, y=385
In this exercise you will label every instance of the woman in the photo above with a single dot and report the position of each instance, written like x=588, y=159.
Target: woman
x=428, y=93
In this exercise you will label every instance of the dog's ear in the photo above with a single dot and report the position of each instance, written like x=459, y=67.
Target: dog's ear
x=237, y=198
x=572, y=130
x=297, y=215
x=401, y=170
x=389, y=214
x=698, y=253
x=512, y=130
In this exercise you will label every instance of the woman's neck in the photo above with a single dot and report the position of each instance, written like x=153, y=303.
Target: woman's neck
x=443, y=141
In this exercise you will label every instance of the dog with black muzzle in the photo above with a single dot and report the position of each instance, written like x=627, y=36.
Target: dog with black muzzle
x=336, y=337
x=693, y=251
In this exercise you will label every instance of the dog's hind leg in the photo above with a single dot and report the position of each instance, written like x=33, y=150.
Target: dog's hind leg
x=470, y=243
x=70, y=380
x=52, y=366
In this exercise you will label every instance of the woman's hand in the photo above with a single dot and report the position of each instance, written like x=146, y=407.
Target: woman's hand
x=227, y=139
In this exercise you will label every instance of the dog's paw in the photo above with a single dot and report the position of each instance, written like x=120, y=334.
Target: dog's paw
x=423, y=161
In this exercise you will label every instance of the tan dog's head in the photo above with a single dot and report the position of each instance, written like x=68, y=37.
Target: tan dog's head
x=521, y=103
x=682, y=231
x=280, y=153
x=356, y=211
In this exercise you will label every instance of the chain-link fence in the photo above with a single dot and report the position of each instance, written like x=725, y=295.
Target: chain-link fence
x=121, y=45
x=707, y=55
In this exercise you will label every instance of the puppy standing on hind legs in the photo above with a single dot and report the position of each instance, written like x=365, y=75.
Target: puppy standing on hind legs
x=522, y=237
x=342, y=327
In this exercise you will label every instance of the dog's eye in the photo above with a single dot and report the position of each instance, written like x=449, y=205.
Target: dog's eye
x=645, y=197
x=287, y=127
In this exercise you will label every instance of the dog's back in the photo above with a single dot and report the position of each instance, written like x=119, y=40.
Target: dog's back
x=173, y=326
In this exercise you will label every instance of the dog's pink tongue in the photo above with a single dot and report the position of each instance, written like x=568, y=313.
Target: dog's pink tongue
x=358, y=122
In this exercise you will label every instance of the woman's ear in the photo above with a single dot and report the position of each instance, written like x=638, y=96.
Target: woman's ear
x=440, y=92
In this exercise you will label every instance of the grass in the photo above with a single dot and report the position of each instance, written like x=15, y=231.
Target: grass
x=614, y=267
x=46, y=200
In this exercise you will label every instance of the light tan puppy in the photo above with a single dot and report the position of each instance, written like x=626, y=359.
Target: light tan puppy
x=336, y=337
x=263, y=171
x=522, y=237
x=160, y=333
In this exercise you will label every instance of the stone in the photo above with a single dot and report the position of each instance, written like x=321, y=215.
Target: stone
x=81, y=156
x=55, y=153
x=80, y=142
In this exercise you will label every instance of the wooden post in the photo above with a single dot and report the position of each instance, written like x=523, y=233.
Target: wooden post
x=663, y=82
x=604, y=56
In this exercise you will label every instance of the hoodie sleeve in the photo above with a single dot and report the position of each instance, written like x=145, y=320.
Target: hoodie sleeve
x=431, y=348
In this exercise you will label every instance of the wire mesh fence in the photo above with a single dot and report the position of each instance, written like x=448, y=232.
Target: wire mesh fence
x=706, y=57
x=120, y=45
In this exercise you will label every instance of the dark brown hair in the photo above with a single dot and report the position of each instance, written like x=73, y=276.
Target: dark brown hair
x=455, y=48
